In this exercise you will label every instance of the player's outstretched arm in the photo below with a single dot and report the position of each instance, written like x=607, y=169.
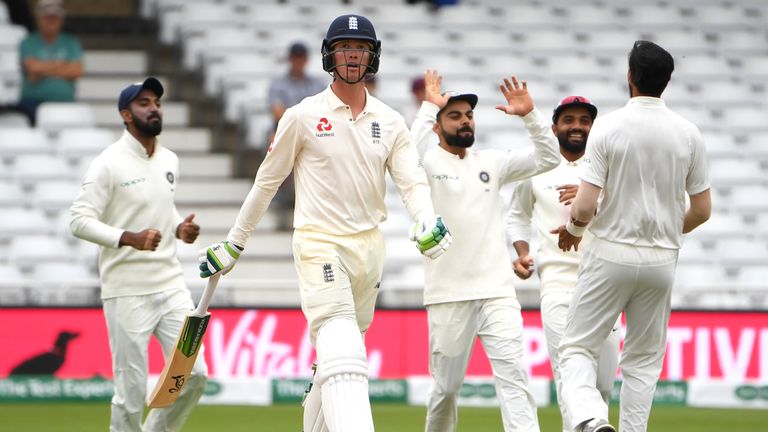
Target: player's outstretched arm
x=218, y=258
x=432, y=237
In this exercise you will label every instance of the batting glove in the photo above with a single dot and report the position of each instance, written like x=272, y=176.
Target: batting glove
x=431, y=236
x=220, y=257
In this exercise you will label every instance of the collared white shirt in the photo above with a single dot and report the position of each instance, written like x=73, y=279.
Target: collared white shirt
x=646, y=158
x=339, y=165
x=535, y=202
x=465, y=192
x=125, y=190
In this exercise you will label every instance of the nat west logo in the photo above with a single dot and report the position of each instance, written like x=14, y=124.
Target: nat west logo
x=323, y=128
x=324, y=125
x=375, y=130
x=353, y=23
x=178, y=384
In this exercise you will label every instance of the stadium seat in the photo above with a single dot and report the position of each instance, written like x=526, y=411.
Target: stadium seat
x=746, y=119
x=172, y=21
x=217, y=42
x=13, y=120
x=23, y=141
x=26, y=251
x=743, y=42
x=681, y=42
x=28, y=169
x=13, y=286
x=240, y=67
x=86, y=141
x=652, y=16
x=11, y=194
x=16, y=221
x=122, y=62
x=54, y=116
x=54, y=195
x=700, y=67
x=10, y=36
x=64, y=283
x=205, y=166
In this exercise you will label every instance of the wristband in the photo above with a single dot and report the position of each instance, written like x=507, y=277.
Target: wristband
x=574, y=230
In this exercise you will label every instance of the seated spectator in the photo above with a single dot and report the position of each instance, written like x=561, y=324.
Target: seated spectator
x=285, y=92
x=50, y=60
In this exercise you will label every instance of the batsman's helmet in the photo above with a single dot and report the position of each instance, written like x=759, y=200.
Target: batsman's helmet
x=351, y=27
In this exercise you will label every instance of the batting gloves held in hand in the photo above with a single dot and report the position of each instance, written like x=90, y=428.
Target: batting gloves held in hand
x=220, y=257
x=431, y=236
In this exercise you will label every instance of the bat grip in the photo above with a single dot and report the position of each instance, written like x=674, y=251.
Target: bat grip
x=205, y=300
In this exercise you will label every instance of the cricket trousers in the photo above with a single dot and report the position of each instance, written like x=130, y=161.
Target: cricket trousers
x=131, y=321
x=554, y=313
x=615, y=277
x=453, y=327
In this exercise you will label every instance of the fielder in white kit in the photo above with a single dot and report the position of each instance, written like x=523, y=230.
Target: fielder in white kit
x=469, y=291
x=544, y=201
x=126, y=205
x=339, y=144
x=645, y=159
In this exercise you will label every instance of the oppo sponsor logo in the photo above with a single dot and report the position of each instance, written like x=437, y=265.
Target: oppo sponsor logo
x=133, y=182
x=752, y=392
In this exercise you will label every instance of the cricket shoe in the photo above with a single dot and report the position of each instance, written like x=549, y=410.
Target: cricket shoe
x=597, y=425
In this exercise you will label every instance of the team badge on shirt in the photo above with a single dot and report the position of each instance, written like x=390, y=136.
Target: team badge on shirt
x=484, y=177
x=375, y=130
x=169, y=177
x=328, y=273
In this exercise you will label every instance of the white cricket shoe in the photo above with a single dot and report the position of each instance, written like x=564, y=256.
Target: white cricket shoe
x=597, y=425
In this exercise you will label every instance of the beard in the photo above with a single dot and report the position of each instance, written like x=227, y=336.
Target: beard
x=457, y=140
x=577, y=147
x=149, y=128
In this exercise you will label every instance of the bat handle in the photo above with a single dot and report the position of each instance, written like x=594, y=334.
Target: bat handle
x=205, y=300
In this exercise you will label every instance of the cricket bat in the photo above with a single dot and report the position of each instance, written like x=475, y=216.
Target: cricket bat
x=179, y=362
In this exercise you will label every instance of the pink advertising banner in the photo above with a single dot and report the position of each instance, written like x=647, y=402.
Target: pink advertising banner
x=274, y=343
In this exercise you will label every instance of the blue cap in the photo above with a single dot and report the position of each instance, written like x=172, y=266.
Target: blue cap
x=129, y=93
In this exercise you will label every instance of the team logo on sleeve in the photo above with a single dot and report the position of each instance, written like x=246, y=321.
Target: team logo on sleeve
x=324, y=128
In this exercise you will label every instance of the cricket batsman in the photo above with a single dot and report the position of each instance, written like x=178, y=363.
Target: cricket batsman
x=339, y=144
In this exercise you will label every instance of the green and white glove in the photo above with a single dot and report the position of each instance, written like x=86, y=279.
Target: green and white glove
x=219, y=257
x=431, y=236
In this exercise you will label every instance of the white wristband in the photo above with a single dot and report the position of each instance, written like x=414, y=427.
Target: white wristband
x=574, y=230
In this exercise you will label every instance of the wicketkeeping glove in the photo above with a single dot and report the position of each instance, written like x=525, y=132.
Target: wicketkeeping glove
x=220, y=257
x=431, y=236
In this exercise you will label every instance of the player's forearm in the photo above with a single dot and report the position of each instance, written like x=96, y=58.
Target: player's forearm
x=421, y=129
x=522, y=248
x=251, y=212
x=546, y=151
x=86, y=227
x=699, y=212
x=585, y=204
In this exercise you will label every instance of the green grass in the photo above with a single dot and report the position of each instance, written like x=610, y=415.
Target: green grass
x=86, y=417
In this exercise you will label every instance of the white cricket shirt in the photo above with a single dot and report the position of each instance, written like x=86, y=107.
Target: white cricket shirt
x=645, y=158
x=339, y=165
x=124, y=190
x=536, y=202
x=466, y=193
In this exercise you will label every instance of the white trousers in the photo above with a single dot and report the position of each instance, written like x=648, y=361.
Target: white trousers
x=131, y=321
x=452, y=330
x=554, y=313
x=613, y=278
x=339, y=276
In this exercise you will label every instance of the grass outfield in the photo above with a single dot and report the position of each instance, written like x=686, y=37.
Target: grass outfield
x=86, y=417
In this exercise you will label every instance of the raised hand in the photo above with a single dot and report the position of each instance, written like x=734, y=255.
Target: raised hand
x=519, y=101
x=432, y=88
x=187, y=231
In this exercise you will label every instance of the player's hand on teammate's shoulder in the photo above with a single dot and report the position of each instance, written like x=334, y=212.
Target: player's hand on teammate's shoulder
x=567, y=193
x=523, y=266
x=188, y=230
x=432, y=237
x=218, y=257
x=518, y=99
x=148, y=239
x=433, y=82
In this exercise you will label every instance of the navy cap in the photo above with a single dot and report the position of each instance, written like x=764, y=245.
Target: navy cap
x=297, y=49
x=470, y=98
x=129, y=93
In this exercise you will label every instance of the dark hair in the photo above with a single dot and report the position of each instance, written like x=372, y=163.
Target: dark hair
x=651, y=67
